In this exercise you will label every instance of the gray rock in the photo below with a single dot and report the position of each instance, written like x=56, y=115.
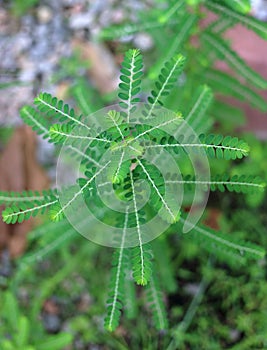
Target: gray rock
x=143, y=41
x=259, y=8
x=44, y=14
x=81, y=20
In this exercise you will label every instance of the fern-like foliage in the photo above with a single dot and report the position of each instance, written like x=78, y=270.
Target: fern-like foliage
x=242, y=6
x=155, y=299
x=225, y=245
x=22, y=211
x=60, y=133
x=240, y=184
x=85, y=97
x=223, y=50
x=116, y=296
x=224, y=147
x=224, y=115
x=257, y=26
x=130, y=85
x=116, y=292
x=186, y=25
x=166, y=80
x=22, y=206
x=55, y=108
x=230, y=86
x=215, y=146
x=56, y=212
x=178, y=22
x=10, y=198
x=163, y=264
x=196, y=115
x=118, y=159
x=130, y=297
x=141, y=258
x=35, y=120
x=117, y=32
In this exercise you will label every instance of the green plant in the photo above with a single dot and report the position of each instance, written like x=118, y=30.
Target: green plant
x=19, y=8
x=128, y=136
x=175, y=26
x=17, y=332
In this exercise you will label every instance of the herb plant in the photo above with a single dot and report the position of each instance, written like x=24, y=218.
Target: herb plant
x=119, y=148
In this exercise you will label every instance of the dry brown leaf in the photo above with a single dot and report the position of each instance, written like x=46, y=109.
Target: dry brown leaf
x=19, y=171
x=213, y=218
x=103, y=70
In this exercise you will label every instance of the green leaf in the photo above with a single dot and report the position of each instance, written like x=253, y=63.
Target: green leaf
x=56, y=213
x=155, y=300
x=85, y=98
x=24, y=211
x=223, y=50
x=224, y=147
x=131, y=73
x=230, y=86
x=259, y=27
x=215, y=146
x=22, y=334
x=223, y=113
x=130, y=297
x=165, y=83
x=54, y=108
x=60, y=133
x=11, y=311
x=141, y=259
x=35, y=120
x=241, y=184
x=183, y=31
x=55, y=342
x=26, y=197
x=196, y=115
x=116, y=288
x=217, y=242
x=242, y=6
x=119, y=31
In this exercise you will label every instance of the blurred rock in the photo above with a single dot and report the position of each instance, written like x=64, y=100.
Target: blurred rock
x=44, y=14
x=11, y=100
x=118, y=16
x=259, y=8
x=5, y=264
x=80, y=21
x=143, y=41
x=51, y=322
x=71, y=3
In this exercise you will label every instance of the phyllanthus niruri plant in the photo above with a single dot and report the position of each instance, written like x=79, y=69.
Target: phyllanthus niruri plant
x=133, y=178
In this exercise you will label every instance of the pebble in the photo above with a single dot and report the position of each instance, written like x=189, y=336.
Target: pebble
x=72, y=3
x=259, y=8
x=44, y=14
x=51, y=322
x=79, y=21
x=118, y=16
x=143, y=41
x=5, y=264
